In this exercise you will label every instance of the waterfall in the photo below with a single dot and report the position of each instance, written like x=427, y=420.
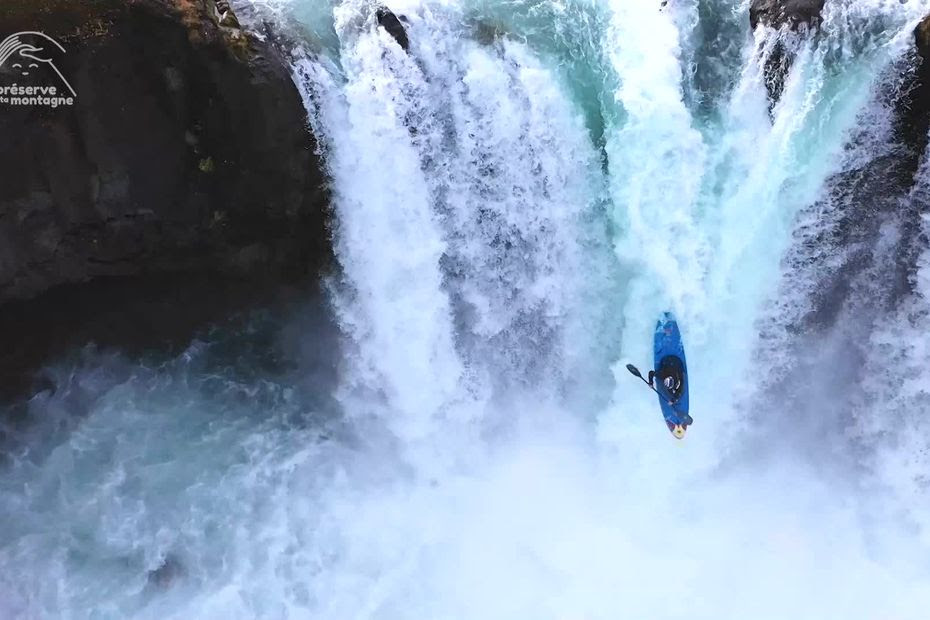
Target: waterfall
x=515, y=199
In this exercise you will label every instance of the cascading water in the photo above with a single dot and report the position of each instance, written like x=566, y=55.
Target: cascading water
x=515, y=200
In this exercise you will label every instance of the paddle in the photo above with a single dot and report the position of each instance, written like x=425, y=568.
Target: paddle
x=635, y=372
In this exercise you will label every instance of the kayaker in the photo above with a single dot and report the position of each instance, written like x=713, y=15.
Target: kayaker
x=669, y=382
x=670, y=378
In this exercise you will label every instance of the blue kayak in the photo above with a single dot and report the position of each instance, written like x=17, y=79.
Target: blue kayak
x=671, y=375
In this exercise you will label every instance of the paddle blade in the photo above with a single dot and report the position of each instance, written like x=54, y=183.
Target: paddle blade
x=634, y=370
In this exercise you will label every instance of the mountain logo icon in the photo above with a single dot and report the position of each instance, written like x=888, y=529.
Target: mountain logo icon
x=29, y=59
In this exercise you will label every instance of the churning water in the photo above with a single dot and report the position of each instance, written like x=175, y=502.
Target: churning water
x=515, y=200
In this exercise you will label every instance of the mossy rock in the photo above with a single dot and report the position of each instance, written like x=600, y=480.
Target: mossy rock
x=206, y=165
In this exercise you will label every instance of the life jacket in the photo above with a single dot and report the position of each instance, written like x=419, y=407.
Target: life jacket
x=671, y=366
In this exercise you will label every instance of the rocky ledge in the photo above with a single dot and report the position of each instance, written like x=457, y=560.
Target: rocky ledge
x=792, y=13
x=186, y=149
x=797, y=16
x=179, y=186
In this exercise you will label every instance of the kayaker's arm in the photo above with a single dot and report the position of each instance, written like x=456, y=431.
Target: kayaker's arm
x=635, y=372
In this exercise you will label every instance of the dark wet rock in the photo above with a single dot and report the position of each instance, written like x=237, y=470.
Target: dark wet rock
x=186, y=151
x=775, y=68
x=914, y=107
x=390, y=22
x=798, y=16
x=225, y=15
x=792, y=13
x=922, y=37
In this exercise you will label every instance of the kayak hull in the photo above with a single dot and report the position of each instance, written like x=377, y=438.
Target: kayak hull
x=668, y=342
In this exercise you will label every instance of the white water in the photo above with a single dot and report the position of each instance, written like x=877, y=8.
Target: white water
x=511, y=215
